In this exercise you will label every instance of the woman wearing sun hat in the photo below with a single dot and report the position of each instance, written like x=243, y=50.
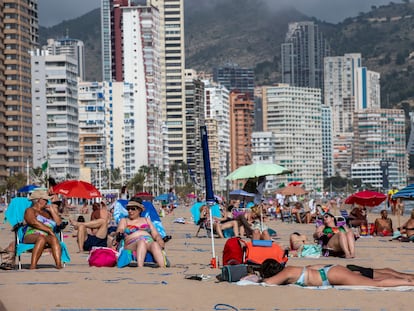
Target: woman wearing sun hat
x=41, y=220
x=140, y=234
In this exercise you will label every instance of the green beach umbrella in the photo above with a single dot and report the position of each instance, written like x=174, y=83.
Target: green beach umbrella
x=257, y=170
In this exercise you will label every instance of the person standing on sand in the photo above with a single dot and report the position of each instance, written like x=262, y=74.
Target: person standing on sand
x=383, y=225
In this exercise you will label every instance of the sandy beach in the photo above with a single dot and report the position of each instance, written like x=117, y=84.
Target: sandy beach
x=80, y=287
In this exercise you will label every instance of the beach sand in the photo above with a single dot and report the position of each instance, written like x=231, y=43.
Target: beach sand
x=80, y=287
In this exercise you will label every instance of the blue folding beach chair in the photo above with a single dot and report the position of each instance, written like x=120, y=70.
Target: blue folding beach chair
x=15, y=217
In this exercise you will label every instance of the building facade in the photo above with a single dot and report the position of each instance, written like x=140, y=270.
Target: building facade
x=294, y=115
x=302, y=55
x=241, y=129
x=380, y=135
x=59, y=80
x=20, y=35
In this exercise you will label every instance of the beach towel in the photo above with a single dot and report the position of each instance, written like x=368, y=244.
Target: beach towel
x=337, y=287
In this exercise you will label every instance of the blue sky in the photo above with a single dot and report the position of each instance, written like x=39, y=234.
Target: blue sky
x=51, y=12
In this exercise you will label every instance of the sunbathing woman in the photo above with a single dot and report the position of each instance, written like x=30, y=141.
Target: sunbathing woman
x=140, y=234
x=41, y=221
x=339, y=239
x=219, y=224
x=323, y=275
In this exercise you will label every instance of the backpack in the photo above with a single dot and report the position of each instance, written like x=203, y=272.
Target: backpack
x=233, y=251
x=257, y=254
x=233, y=273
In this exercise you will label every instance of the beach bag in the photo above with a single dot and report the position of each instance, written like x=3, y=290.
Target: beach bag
x=311, y=250
x=258, y=254
x=233, y=251
x=233, y=273
x=102, y=257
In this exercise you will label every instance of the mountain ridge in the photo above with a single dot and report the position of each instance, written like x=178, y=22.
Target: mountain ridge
x=248, y=33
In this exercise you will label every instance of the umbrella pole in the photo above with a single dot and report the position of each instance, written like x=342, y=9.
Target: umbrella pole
x=213, y=261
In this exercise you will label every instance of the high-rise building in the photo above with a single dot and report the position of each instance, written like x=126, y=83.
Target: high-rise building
x=380, y=135
x=54, y=78
x=302, y=55
x=72, y=47
x=235, y=78
x=194, y=113
x=348, y=87
x=20, y=35
x=327, y=142
x=294, y=115
x=143, y=44
x=92, y=129
x=217, y=109
x=135, y=48
x=241, y=129
x=3, y=142
x=264, y=151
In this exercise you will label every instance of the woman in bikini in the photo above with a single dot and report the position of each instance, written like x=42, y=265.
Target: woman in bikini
x=339, y=239
x=273, y=272
x=140, y=235
x=41, y=221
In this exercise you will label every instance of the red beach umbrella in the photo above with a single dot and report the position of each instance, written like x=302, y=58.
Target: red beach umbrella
x=77, y=189
x=366, y=198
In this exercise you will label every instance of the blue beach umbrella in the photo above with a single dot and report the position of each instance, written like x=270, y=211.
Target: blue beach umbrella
x=27, y=188
x=195, y=211
x=405, y=193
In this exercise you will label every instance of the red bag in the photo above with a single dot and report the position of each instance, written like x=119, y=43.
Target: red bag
x=258, y=254
x=102, y=257
x=233, y=252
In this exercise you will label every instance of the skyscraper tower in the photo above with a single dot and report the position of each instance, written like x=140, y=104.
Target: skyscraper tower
x=170, y=62
x=302, y=55
x=20, y=35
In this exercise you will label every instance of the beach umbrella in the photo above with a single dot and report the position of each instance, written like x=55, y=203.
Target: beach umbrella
x=292, y=190
x=242, y=193
x=406, y=193
x=366, y=198
x=257, y=170
x=27, y=188
x=144, y=196
x=295, y=183
x=77, y=189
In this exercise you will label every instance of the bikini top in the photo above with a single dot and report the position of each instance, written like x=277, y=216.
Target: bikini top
x=130, y=229
x=329, y=231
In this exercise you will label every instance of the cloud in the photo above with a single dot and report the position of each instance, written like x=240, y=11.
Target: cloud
x=52, y=12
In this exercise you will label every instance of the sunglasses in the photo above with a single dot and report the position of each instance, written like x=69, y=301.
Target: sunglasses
x=131, y=208
x=326, y=216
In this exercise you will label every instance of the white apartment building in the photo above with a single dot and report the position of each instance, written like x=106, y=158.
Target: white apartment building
x=380, y=135
x=70, y=47
x=327, y=141
x=54, y=78
x=217, y=107
x=140, y=29
x=294, y=115
x=264, y=151
x=368, y=89
x=377, y=174
x=92, y=129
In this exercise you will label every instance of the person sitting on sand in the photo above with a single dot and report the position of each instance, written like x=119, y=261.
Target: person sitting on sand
x=383, y=225
x=339, y=239
x=97, y=234
x=273, y=272
x=301, y=216
x=358, y=216
x=297, y=241
x=407, y=229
